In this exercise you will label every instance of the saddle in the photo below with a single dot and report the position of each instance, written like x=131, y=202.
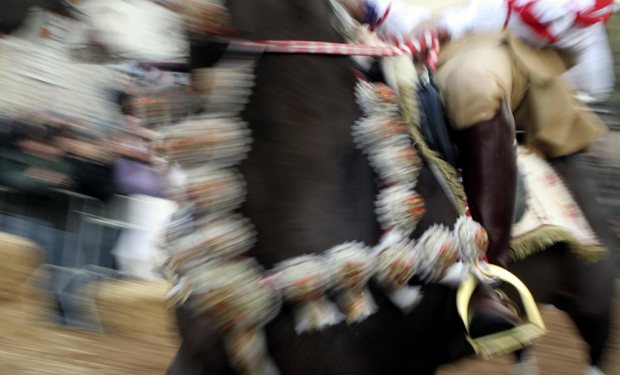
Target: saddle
x=439, y=134
x=529, y=236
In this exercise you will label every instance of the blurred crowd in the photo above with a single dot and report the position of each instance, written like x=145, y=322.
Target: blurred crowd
x=81, y=174
x=90, y=191
x=44, y=155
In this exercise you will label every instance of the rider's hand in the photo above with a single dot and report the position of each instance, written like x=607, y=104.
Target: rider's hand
x=428, y=37
x=433, y=27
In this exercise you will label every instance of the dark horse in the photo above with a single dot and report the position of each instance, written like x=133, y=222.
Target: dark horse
x=309, y=189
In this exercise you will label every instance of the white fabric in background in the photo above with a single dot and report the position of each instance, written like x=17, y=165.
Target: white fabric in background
x=39, y=74
x=593, y=73
x=402, y=17
x=137, y=29
x=478, y=16
x=137, y=252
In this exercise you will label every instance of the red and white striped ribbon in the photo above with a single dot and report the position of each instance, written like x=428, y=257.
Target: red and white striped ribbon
x=319, y=48
x=428, y=44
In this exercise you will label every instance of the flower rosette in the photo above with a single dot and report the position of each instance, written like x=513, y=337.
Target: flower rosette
x=223, y=142
x=238, y=301
x=232, y=295
x=352, y=265
x=227, y=88
x=396, y=162
x=438, y=249
x=397, y=262
x=401, y=208
x=214, y=190
x=473, y=242
x=222, y=238
x=304, y=281
x=473, y=239
x=372, y=131
x=377, y=99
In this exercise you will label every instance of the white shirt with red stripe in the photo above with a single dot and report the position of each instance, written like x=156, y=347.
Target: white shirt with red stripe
x=541, y=22
x=574, y=25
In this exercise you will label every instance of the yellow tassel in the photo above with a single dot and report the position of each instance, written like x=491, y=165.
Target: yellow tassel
x=541, y=239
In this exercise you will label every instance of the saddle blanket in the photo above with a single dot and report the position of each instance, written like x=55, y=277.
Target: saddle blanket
x=550, y=202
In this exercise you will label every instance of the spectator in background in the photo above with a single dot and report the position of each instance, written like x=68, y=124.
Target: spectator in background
x=33, y=161
x=86, y=152
x=32, y=171
x=137, y=254
x=133, y=171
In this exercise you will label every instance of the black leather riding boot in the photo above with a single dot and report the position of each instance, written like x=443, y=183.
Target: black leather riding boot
x=488, y=157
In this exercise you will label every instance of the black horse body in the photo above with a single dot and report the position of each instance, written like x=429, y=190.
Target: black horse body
x=309, y=189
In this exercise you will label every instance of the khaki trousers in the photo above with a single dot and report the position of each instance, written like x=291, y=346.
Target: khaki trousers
x=478, y=73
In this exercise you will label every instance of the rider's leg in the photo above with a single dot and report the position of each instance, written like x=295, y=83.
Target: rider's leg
x=488, y=159
x=488, y=162
x=479, y=85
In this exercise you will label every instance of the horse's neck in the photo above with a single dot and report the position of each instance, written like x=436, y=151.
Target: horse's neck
x=309, y=188
x=283, y=19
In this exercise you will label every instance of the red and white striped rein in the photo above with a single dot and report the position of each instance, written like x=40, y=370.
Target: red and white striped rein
x=428, y=43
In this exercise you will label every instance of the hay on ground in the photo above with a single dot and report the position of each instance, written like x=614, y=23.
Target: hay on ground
x=20, y=259
x=135, y=309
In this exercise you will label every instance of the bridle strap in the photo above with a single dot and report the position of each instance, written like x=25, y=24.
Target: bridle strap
x=428, y=43
x=319, y=48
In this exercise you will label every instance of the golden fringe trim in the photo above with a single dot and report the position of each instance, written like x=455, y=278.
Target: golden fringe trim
x=506, y=342
x=411, y=115
x=542, y=238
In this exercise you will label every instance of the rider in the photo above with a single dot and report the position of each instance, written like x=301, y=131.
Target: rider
x=501, y=61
